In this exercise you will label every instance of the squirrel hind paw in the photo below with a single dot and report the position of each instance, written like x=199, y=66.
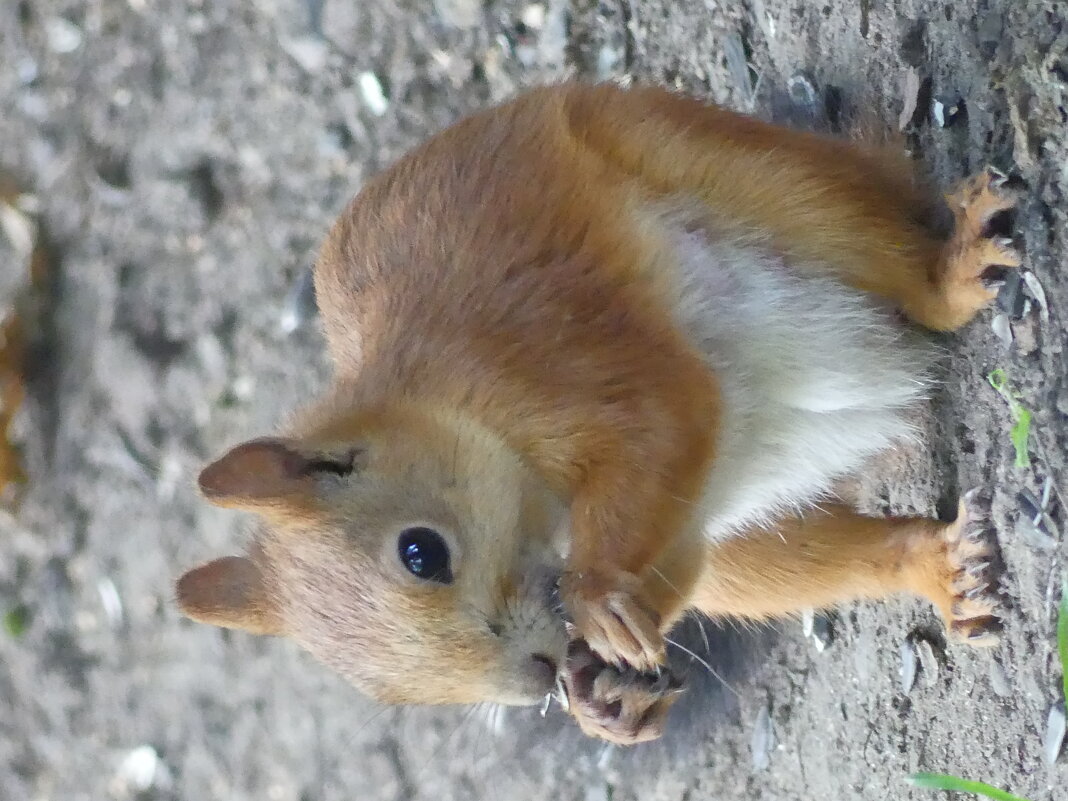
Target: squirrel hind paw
x=619, y=705
x=973, y=610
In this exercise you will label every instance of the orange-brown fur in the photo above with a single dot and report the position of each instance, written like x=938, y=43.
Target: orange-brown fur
x=515, y=291
x=834, y=554
x=562, y=366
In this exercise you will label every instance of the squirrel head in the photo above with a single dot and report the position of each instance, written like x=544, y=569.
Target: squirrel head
x=412, y=552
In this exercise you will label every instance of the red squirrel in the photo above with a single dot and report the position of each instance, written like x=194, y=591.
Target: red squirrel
x=599, y=353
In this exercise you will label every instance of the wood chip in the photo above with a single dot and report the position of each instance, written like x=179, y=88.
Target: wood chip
x=1053, y=740
x=910, y=97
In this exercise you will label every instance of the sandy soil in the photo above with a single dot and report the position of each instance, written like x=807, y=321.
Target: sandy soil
x=187, y=157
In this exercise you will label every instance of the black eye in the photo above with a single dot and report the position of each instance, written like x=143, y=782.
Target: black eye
x=424, y=552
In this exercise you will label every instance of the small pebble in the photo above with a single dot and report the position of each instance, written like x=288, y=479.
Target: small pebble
x=533, y=16
x=802, y=92
x=1054, y=737
x=310, y=52
x=18, y=229
x=196, y=23
x=763, y=740
x=808, y=617
x=110, y=600
x=373, y=95
x=817, y=627
x=63, y=36
x=822, y=633
x=243, y=387
x=139, y=771
x=27, y=71
x=609, y=61
x=1002, y=328
x=1038, y=293
x=928, y=662
x=946, y=111
x=300, y=306
x=999, y=679
x=909, y=664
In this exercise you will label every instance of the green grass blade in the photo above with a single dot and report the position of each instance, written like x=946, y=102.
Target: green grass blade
x=1019, y=434
x=1021, y=416
x=942, y=781
x=1062, y=640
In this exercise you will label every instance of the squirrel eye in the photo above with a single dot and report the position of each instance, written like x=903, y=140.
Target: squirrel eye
x=425, y=554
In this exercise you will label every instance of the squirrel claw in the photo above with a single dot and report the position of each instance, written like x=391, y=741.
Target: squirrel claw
x=972, y=608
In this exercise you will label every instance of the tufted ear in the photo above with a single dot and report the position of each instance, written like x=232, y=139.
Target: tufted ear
x=270, y=473
x=229, y=592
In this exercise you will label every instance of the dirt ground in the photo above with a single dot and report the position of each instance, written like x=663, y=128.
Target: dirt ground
x=187, y=157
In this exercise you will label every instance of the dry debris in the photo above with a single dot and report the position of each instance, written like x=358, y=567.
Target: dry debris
x=25, y=274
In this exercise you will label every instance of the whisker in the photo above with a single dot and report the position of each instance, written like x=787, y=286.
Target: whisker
x=663, y=578
x=697, y=616
x=707, y=667
x=382, y=710
x=465, y=719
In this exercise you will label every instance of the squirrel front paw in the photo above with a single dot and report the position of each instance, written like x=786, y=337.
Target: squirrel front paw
x=610, y=615
x=620, y=705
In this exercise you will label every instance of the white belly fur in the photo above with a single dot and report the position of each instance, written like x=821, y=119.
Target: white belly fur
x=815, y=376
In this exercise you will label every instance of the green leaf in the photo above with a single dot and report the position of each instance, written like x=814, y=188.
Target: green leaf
x=1019, y=434
x=998, y=380
x=17, y=620
x=942, y=781
x=1021, y=416
x=1062, y=640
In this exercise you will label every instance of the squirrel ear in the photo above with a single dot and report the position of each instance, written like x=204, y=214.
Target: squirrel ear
x=269, y=472
x=229, y=592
